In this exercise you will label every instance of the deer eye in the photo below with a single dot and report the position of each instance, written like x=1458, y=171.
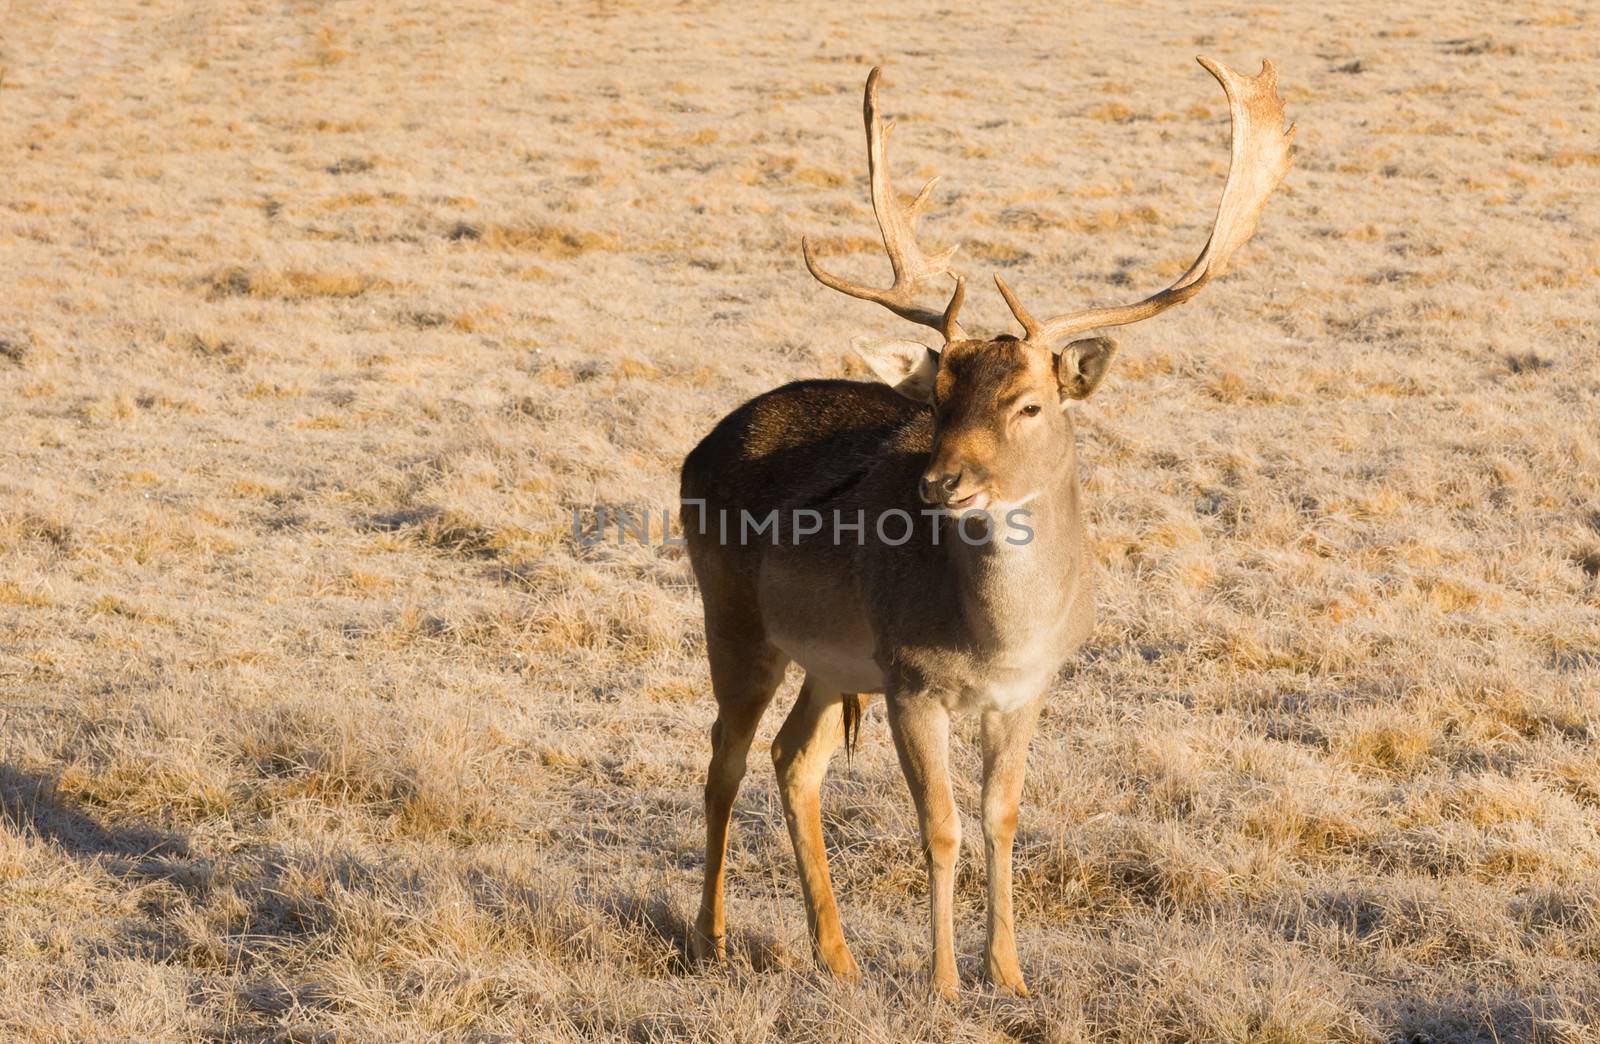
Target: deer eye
x=1030, y=410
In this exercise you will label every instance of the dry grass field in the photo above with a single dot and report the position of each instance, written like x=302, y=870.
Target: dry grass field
x=317, y=320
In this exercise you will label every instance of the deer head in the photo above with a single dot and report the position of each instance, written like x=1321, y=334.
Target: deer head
x=1001, y=429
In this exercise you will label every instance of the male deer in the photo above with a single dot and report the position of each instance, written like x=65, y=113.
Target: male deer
x=938, y=623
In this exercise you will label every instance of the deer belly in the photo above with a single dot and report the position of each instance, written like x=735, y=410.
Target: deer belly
x=814, y=616
x=842, y=668
x=829, y=650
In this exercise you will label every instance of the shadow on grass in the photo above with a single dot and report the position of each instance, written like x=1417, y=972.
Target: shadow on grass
x=272, y=919
x=31, y=804
x=655, y=917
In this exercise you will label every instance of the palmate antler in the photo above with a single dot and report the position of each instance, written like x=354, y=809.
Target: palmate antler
x=912, y=268
x=1260, y=158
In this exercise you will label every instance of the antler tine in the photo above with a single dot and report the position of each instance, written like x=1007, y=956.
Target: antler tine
x=1030, y=325
x=897, y=224
x=1259, y=159
x=947, y=323
x=914, y=211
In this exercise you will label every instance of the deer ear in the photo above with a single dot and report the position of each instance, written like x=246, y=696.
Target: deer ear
x=1082, y=364
x=906, y=366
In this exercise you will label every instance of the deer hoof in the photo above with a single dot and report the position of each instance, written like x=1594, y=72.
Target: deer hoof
x=706, y=948
x=840, y=964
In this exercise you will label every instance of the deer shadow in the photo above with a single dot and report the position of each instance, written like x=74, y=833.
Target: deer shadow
x=31, y=802
x=271, y=914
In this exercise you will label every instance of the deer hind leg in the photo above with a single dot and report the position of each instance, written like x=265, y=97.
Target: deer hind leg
x=1005, y=749
x=800, y=753
x=745, y=672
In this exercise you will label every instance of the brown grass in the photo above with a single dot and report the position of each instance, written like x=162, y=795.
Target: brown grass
x=285, y=286
x=316, y=724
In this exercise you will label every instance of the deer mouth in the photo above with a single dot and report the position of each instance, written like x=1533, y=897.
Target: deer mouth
x=972, y=502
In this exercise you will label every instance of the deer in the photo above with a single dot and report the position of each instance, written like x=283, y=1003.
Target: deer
x=955, y=438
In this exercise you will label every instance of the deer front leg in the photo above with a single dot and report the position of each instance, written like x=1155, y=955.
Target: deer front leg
x=1005, y=750
x=921, y=728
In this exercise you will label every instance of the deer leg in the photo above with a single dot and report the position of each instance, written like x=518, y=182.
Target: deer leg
x=1005, y=749
x=744, y=675
x=921, y=730
x=800, y=753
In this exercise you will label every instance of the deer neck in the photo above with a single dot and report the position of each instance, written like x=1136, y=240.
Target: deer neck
x=1014, y=591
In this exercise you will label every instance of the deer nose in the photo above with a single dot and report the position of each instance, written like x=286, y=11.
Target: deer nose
x=936, y=489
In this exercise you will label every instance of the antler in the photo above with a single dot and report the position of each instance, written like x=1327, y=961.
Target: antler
x=898, y=224
x=1259, y=160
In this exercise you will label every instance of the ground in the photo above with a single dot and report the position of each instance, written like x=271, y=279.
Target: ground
x=320, y=319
